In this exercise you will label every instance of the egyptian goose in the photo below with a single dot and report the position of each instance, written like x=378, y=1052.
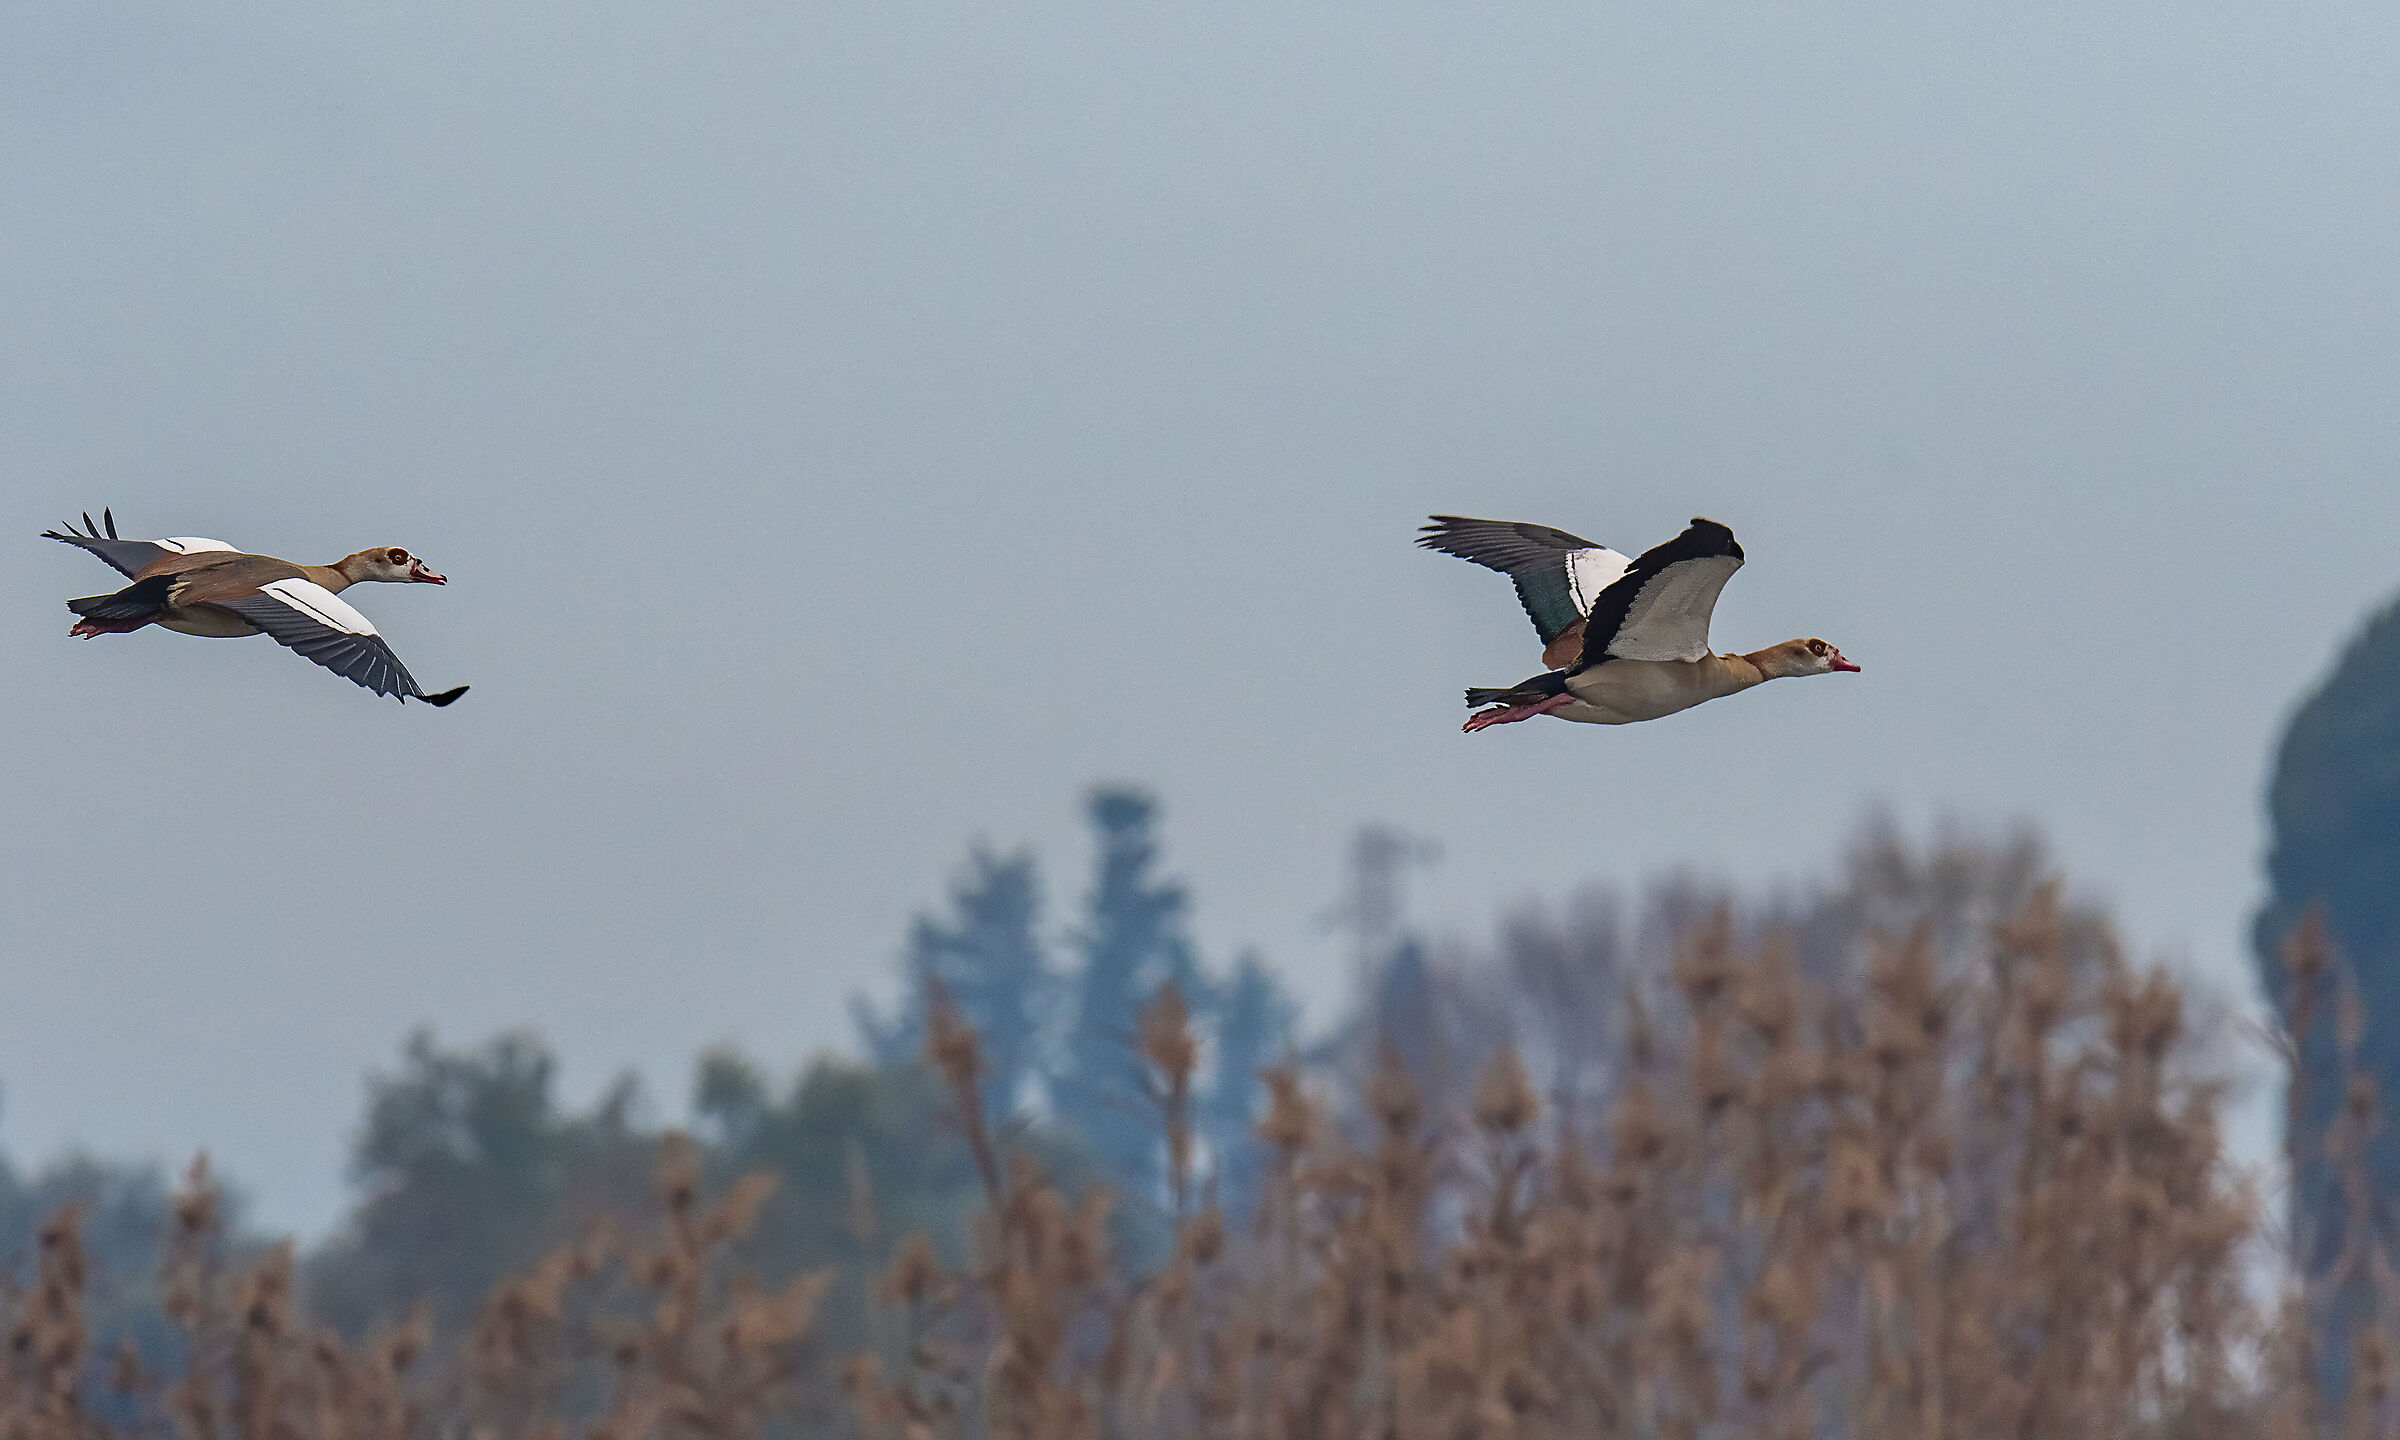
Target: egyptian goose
x=206, y=587
x=1625, y=640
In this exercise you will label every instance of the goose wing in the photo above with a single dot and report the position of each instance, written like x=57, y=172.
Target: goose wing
x=311, y=620
x=1659, y=608
x=1558, y=576
x=133, y=558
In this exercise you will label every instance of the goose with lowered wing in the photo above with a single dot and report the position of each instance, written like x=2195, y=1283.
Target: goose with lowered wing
x=1625, y=640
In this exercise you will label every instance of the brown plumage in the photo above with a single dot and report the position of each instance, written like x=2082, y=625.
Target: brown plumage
x=205, y=587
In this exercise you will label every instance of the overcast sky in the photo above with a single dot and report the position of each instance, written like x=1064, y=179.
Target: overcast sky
x=853, y=429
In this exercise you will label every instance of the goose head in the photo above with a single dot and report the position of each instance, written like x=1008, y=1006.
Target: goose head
x=1799, y=657
x=391, y=564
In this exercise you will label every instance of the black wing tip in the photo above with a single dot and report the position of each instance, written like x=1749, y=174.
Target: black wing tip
x=1439, y=527
x=445, y=697
x=89, y=531
x=1436, y=525
x=1490, y=542
x=1450, y=535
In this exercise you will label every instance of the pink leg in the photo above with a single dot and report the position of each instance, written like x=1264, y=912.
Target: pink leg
x=1508, y=714
x=86, y=629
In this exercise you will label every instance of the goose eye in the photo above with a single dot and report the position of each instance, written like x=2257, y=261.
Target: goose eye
x=399, y=557
x=1816, y=647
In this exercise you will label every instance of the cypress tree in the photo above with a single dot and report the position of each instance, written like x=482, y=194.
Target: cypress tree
x=2334, y=813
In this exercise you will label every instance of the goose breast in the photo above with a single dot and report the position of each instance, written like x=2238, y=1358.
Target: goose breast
x=1622, y=692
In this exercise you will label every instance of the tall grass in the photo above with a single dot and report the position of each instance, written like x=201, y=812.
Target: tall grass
x=1921, y=1201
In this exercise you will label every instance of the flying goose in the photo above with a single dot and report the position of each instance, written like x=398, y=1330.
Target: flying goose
x=206, y=587
x=1625, y=640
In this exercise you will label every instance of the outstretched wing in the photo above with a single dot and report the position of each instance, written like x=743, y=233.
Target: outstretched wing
x=1659, y=608
x=315, y=622
x=131, y=557
x=1558, y=576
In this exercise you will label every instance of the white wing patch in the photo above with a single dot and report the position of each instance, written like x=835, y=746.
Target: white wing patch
x=319, y=604
x=190, y=544
x=1591, y=571
x=1668, y=620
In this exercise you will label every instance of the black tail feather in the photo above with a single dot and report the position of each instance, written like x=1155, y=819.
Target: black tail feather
x=137, y=601
x=1524, y=692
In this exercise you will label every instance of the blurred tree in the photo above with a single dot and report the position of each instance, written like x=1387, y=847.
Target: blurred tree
x=864, y=1152
x=1562, y=983
x=1404, y=1017
x=469, y=1170
x=124, y=1212
x=1432, y=1022
x=1132, y=942
x=865, y=1155
x=1254, y=1030
x=2334, y=846
x=125, y=1220
x=1577, y=993
x=988, y=954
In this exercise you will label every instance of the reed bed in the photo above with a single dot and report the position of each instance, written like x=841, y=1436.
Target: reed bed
x=1922, y=1201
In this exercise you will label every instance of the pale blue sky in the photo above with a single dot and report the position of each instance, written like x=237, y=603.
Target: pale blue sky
x=853, y=429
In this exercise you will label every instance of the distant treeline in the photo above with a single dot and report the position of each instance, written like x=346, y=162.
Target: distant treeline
x=468, y=1167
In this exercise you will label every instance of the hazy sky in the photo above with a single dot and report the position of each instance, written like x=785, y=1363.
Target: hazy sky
x=850, y=430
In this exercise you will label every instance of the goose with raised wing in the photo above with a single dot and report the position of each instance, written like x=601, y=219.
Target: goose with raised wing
x=206, y=587
x=1625, y=639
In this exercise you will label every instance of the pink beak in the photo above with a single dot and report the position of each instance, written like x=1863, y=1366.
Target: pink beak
x=1839, y=663
x=422, y=576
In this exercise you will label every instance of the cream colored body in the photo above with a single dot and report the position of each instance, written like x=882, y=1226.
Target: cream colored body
x=1622, y=692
